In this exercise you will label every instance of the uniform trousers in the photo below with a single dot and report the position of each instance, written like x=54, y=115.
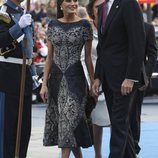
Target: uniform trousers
x=9, y=106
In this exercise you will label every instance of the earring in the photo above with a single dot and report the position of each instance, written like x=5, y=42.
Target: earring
x=61, y=8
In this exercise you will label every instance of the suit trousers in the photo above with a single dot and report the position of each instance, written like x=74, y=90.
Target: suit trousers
x=11, y=108
x=135, y=117
x=121, y=142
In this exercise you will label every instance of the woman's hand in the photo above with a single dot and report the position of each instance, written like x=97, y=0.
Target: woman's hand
x=95, y=87
x=44, y=93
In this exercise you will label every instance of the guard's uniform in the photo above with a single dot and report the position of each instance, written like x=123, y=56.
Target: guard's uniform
x=11, y=36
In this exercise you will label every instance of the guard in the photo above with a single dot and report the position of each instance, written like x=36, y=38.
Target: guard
x=15, y=26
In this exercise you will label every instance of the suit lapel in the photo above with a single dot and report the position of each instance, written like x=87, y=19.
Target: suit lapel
x=114, y=8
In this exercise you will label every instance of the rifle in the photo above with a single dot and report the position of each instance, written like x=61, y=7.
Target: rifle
x=22, y=91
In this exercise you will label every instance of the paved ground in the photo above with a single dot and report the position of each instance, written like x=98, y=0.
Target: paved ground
x=36, y=149
x=148, y=142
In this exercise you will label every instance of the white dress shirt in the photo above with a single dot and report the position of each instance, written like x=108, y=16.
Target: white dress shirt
x=110, y=2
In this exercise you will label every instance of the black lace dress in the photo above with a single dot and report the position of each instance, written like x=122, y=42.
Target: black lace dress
x=65, y=124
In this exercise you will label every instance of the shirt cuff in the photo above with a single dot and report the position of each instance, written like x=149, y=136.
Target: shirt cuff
x=132, y=80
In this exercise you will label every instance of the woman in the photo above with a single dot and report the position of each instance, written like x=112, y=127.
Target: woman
x=100, y=116
x=51, y=10
x=63, y=74
x=51, y=4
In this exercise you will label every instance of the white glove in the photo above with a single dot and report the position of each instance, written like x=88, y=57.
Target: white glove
x=25, y=20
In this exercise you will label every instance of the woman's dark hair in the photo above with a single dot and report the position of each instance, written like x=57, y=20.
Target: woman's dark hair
x=89, y=8
x=59, y=11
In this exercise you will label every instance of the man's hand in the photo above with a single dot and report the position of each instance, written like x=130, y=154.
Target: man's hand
x=127, y=86
x=95, y=87
x=25, y=20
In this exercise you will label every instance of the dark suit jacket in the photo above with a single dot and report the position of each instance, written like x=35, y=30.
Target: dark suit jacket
x=150, y=55
x=121, y=45
x=151, y=49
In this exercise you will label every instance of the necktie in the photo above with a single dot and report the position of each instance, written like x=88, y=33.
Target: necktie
x=105, y=13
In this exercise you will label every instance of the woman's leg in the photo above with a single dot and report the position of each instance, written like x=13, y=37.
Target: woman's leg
x=77, y=152
x=65, y=152
x=97, y=133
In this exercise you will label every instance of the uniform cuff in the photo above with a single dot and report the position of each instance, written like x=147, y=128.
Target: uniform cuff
x=16, y=32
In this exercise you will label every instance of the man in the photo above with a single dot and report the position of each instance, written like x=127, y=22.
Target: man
x=14, y=25
x=155, y=10
x=120, y=56
x=38, y=14
x=149, y=63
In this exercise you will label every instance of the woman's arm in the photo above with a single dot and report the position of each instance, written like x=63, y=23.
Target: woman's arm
x=48, y=63
x=47, y=67
x=88, y=60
